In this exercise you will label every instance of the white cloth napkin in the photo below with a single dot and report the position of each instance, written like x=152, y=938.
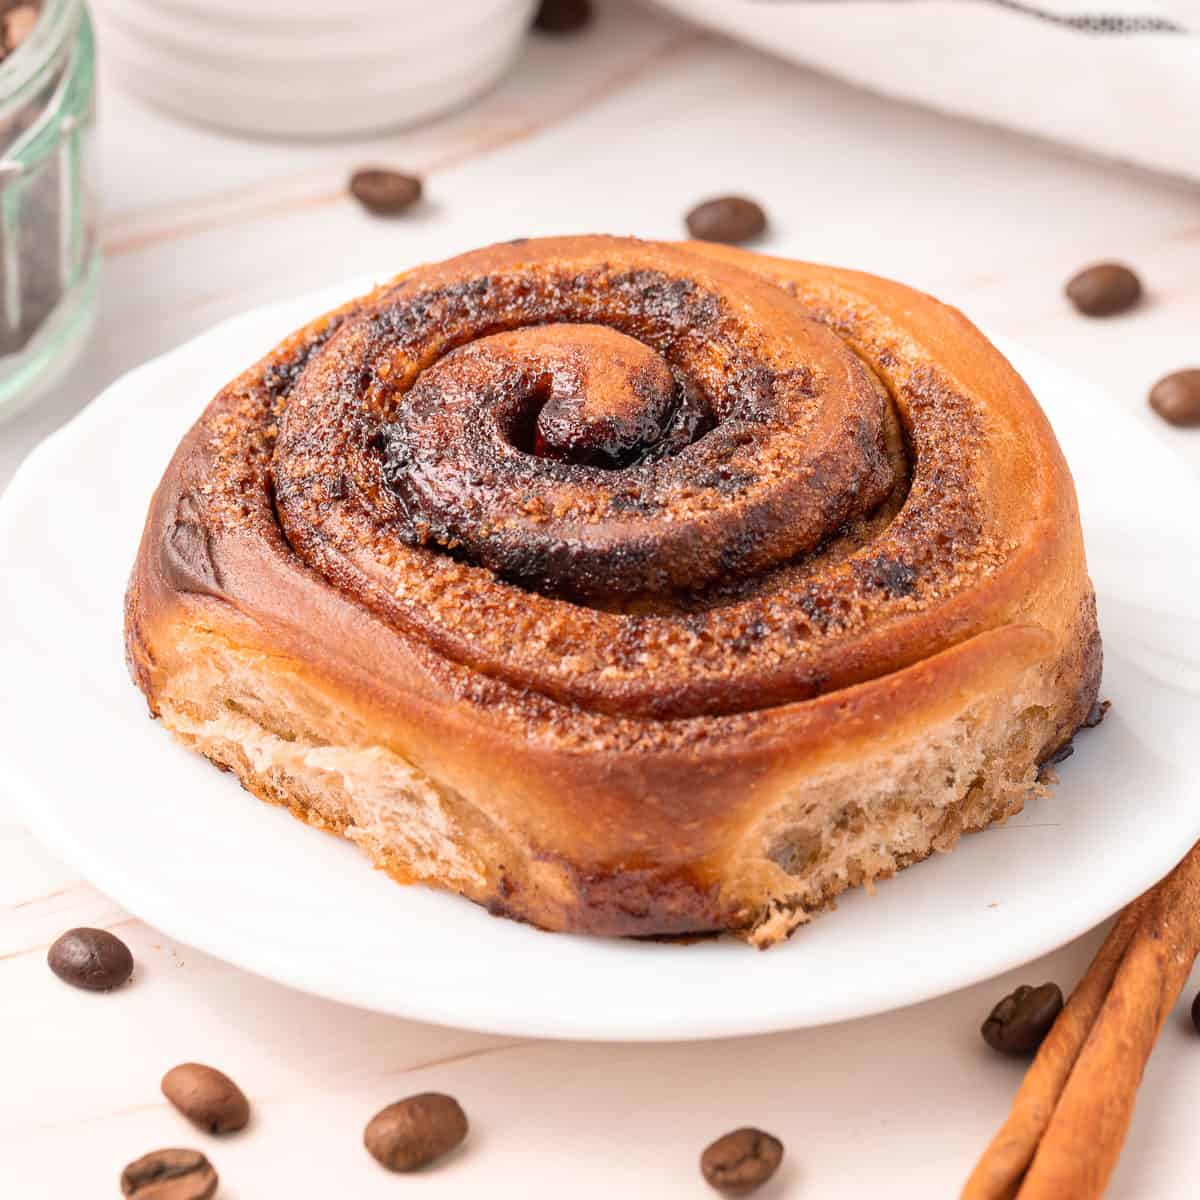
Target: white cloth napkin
x=1116, y=77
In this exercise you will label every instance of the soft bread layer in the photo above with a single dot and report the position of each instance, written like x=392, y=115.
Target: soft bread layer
x=847, y=825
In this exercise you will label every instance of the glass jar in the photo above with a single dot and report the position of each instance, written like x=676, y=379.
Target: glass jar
x=48, y=246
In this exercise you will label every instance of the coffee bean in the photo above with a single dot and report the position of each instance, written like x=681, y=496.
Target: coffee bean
x=729, y=219
x=1176, y=398
x=384, y=193
x=170, y=1175
x=207, y=1097
x=91, y=958
x=1019, y=1023
x=563, y=16
x=741, y=1161
x=1104, y=289
x=411, y=1133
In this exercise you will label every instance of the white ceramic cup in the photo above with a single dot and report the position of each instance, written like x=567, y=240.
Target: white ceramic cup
x=299, y=68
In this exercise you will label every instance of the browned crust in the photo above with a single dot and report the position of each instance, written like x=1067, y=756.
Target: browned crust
x=636, y=819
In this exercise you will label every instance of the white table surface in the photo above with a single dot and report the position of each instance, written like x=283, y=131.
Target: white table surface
x=620, y=130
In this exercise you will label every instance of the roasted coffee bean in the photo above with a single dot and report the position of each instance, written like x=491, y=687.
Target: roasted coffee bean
x=1176, y=398
x=411, y=1133
x=1104, y=289
x=207, y=1097
x=170, y=1175
x=91, y=958
x=741, y=1161
x=729, y=219
x=384, y=193
x=1018, y=1024
x=563, y=16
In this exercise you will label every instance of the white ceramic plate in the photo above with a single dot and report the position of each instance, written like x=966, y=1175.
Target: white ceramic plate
x=183, y=847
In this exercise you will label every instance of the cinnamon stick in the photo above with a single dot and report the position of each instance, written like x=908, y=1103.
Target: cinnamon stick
x=1079, y=1149
x=1067, y=1125
x=999, y=1172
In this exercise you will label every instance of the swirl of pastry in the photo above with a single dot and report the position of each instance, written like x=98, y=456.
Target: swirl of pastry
x=523, y=451
x=624, y=586
x=706, y=433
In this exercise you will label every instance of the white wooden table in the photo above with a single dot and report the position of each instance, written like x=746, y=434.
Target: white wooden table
x=619, y=130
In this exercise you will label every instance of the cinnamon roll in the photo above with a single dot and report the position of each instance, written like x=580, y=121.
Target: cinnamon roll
x=622, y=587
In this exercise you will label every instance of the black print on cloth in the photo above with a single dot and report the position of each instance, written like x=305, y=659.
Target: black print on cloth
x=1082, y=22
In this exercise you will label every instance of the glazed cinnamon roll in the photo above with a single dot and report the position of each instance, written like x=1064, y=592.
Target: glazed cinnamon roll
x=622, y=587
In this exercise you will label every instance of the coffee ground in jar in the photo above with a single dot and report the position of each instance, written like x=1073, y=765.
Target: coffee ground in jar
x=33, y=241
x=17, y=19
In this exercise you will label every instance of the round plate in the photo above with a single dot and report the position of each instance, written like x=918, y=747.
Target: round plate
x=180, y=845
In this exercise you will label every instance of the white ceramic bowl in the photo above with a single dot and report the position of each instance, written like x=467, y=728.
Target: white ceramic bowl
x=297, y=68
